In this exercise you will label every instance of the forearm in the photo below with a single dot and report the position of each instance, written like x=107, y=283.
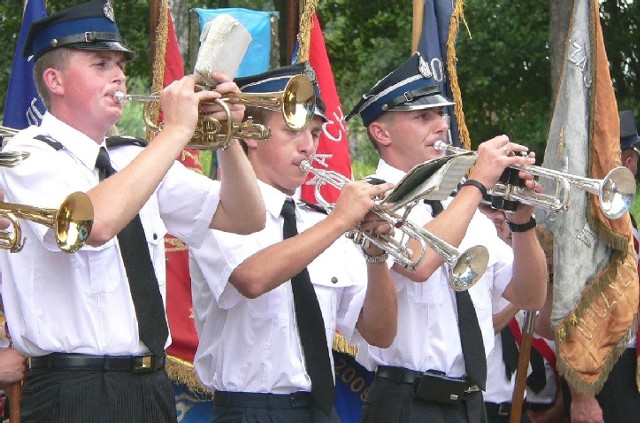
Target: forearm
x=241, y=209
x=450, y=226
x=378, y=321
x=528, y=286
x=276, y=264
x=117, y=199
x=502, y=318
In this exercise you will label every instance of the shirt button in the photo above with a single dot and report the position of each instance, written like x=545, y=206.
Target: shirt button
x=334, y=280
x=155, y=237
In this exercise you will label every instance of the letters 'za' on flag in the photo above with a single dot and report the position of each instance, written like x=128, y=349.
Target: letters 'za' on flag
x=333, y=147
x=23, y=106
x=435, y=42
x=595, y=277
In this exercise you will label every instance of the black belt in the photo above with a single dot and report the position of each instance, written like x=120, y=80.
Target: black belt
x=538, y=406
x=268, y=401
x=60, y=361
x=400, y=374
x=502, y=409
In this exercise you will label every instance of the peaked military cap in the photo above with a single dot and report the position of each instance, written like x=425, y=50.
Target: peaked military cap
x=628, y=131
x=410, y=86
x=276, y=80
x=86, y=26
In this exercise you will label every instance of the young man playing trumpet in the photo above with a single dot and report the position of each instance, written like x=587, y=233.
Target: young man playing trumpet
x=253, y=325
x=435, y=370
x=93, y=322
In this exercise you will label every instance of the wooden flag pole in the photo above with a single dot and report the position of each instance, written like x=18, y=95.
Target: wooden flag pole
x=523, y=366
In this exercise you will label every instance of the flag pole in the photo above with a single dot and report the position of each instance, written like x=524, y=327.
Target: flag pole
x=416, y=29
x=523, y=365
x=304, y=30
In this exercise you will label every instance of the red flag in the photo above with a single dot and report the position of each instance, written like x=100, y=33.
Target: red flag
x=333, y=149
x=179, y=305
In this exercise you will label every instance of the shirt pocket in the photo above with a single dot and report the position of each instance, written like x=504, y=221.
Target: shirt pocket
x=103, y=268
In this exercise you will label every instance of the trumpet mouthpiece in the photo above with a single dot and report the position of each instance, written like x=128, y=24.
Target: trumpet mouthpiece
x=305, y=166
x=119, y=97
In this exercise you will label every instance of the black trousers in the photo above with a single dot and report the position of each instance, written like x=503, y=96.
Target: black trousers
x=245, y=407
x=389, y=401
x=73, y=396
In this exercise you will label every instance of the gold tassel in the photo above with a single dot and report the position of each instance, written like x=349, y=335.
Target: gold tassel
x=182, y=372
x=304, y=30
x=341, y=345
x=456, y=17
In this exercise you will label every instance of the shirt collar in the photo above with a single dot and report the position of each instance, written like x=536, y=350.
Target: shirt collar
x=389, y=173
x=273, y=199
x=76, y=142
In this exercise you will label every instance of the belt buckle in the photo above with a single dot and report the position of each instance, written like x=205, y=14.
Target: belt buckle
x=504, y=409
x=143, y=364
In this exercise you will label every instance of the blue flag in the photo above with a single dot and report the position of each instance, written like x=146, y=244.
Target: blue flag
x=23, y=106
x=433, y=48
x=352, y=384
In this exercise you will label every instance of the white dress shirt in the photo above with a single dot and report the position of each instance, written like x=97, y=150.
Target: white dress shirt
x=428, y=336
x=81, y=303
x=252, y=345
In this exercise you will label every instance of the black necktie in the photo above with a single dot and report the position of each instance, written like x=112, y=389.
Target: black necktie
x=310, y=325
x=538, y=377
x=147, y=300
x=510, y=351
x=475, y=360
x=436, y=207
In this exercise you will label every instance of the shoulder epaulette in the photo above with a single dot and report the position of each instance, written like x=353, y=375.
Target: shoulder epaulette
x=119, y=140
x=314, y=207
x=47, y=139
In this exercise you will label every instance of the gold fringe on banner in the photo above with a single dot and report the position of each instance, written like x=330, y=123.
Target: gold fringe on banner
x=183, y=373
x=454, y=25
x=304, y=30
x=162, y=30
x=341, y=345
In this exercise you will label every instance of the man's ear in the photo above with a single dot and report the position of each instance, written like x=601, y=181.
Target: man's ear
x=53, y=80
x=379, y=132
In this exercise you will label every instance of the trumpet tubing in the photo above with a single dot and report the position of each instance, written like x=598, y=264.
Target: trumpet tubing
x=71, y=222
x=296, y=102
x=467, y=267
x=616, y=191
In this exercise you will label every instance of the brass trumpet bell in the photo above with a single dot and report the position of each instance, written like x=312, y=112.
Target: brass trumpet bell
x=296, y=102
x=72, y=222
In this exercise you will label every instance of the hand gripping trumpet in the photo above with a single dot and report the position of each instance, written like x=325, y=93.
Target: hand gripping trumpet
x=466, y=268
x=615, y=192
x=72, y=222
x=296, y=102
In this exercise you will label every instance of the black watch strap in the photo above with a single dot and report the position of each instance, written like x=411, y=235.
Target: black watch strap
x=524, y=227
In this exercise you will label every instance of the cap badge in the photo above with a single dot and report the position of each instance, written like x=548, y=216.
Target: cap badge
x=309, y=73
x=108, y=11
x=424, y=69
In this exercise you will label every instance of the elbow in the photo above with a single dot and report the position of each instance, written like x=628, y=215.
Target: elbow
x=100, y=235
x=249, y=284
x=382, y=338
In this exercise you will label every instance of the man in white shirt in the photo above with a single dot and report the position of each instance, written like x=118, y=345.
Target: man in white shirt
x=252, y=350
x=425, y=374
x=93, y=322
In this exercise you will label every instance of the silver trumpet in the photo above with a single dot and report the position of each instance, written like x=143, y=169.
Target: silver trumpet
x=466, y=268
x=616, y=191
x=10, y=158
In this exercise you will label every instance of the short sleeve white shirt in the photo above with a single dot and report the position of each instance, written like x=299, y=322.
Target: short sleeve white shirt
x=81, y=302
x=252, y=345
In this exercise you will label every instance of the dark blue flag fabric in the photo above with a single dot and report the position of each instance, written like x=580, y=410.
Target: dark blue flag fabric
x=192, y=407
x=433, y=48
x=23, y=106
x=352, y=383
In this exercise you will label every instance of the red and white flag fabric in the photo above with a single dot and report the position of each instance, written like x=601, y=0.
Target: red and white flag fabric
x=333, y=148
